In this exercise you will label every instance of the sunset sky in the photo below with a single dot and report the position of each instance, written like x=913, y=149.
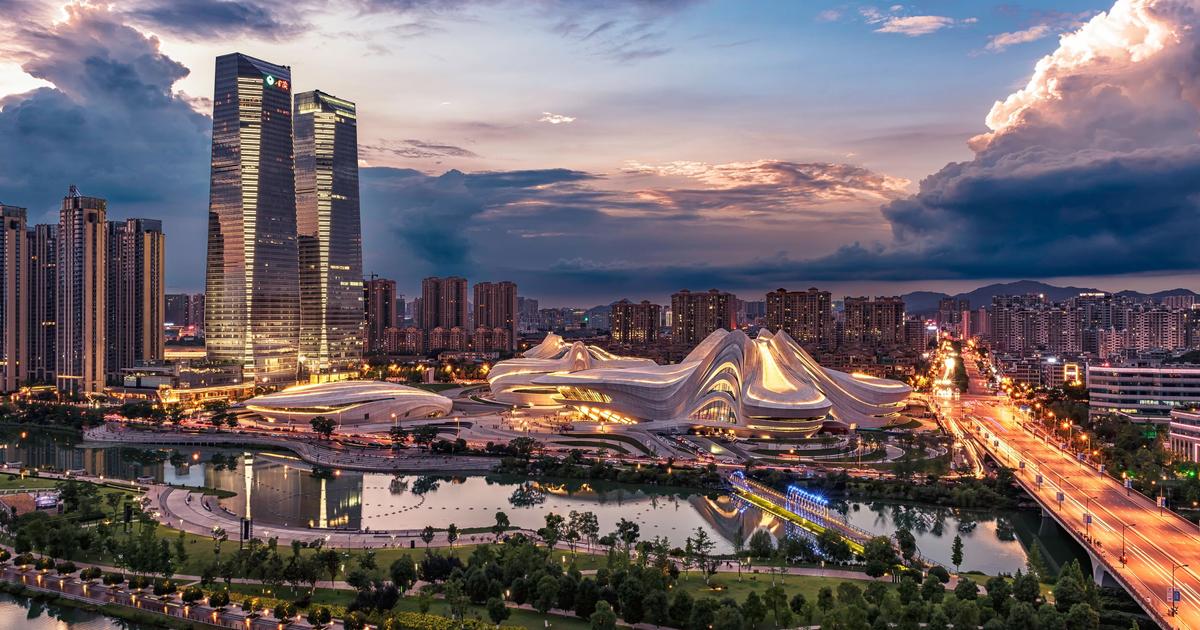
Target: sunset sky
x=594, y=150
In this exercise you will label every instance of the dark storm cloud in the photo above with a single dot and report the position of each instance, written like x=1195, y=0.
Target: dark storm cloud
x=195, y=19
x=111, y=125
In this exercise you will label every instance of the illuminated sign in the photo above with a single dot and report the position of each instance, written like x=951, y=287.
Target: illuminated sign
x=272, y=82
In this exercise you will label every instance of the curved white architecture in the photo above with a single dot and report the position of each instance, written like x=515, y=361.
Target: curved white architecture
x=511, y=381
x=763, y=386
x=351, y=403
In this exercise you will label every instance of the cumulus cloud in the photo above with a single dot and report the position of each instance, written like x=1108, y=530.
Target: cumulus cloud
x=1093, y=167
x=110, y=124
x=1002, y=41
x=556, y=119
x=810, y=182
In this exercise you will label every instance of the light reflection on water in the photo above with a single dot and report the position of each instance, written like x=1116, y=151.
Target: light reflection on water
x=283, y=491
x=28, y=614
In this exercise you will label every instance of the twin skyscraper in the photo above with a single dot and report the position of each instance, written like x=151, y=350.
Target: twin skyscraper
x=284, y=269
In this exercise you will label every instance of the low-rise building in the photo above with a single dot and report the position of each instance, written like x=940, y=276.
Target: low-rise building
x=1183, y=437
x=1144, y=394
x=189, y=383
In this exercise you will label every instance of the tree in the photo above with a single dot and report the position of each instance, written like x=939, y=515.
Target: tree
x=833, y=546
x=908, y=590
x=1034, y=562
x=451, y=534
x=907, y=544
x=603, y=618
x=502, y=524
x=681, y=609
x=879, y=556
x=427, y=535
x=966, y=589
x=775, y=600
x=728, y=617
x=586, y=596
x=398, y=435
x=497, y=611
x=456, y=599
x=589, y=528
x=1022, y=615
x=754, y=611
x=932, y=589
x=553, y=530
x=323, y=426
x=825, y=599
x=956, y=552
x=319, y=616
x=546, y=595
x=1026, y=588
x=761, y=545
x=627, y=532
x=701, y=545
x=1083, y=617
x=403, y=573
x=999, y=592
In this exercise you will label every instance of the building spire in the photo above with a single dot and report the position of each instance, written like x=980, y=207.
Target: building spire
x=73, y=192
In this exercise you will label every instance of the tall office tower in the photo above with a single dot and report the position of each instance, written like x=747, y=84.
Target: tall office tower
x=878, y=322
x=496, y=310
x=136, y=302
x=805, y=315
x=697, y=315
x=43, y=302
x=444, y=303
x=328, y=233
x=82, y=294
x=14, y=299
x=635, y=324
x=252, y=311
x=380, y=315
x=177, y=308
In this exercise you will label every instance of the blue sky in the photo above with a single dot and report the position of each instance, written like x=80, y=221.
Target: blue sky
x=626, y=148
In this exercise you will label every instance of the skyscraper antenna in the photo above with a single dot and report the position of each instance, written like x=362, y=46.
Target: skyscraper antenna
x=73, y=192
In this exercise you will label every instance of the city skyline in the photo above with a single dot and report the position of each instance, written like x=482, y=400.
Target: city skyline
x=624, y=168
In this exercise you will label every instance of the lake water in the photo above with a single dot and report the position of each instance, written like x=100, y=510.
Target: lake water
x=278, y=489
x=27, y=614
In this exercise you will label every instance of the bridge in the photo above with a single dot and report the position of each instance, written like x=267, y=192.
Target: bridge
x=798, y=508
x=1151, y=552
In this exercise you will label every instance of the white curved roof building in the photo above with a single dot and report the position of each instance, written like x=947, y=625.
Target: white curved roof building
x=350, y=403
x=767, y=385
x=511, y=381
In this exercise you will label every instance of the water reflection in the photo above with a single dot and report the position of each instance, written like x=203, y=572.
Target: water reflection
x=22, y=612
x=278, y=489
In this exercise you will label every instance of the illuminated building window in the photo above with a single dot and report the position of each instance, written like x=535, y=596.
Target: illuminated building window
x=715, y=411
x=583, y=394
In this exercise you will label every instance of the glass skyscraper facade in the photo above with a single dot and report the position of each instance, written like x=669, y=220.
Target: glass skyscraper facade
x=329, y=235
x=252, y=313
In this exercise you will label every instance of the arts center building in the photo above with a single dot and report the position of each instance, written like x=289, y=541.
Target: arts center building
x=765, y=386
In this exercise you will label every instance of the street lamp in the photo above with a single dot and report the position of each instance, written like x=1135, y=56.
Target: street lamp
x=1171, y=604
x=1124, y=526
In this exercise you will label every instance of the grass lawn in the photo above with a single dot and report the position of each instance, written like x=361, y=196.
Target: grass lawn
x=321, y=596
x=729, y=585
x=12, y=482
x=525, y=618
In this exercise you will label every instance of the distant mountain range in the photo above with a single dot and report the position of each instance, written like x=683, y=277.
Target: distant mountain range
x=926, y=302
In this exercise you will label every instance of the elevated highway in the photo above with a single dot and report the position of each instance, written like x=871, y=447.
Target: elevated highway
x=1153, y=553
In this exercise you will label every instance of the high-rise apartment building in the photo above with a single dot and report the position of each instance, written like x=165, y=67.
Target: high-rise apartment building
x=43, y=302
x=878, y=322
x=252, y=312
x=82, y=290
x=697, y=315
x=136, y=263
x=807, y=316
x=496, y=311
x=950, y=311
x=380, y=296
x=329, y=235
x=635, y=324
x=444, y=303
x=14, y=299
x=176, y=308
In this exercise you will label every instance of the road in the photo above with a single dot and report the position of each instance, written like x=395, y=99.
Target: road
x=1154, y=542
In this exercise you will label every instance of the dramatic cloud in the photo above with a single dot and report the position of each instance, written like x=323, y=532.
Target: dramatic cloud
x=556, y=119
x=1002, y=41
x=110, y=124
x=415, y=149
x=206, y=19
x=1092, y=168
x=809, y=183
